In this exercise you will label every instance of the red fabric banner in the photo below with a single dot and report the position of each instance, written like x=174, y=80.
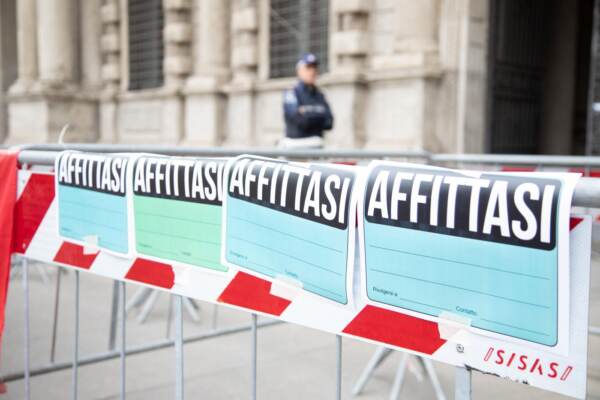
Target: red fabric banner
x=8, y=198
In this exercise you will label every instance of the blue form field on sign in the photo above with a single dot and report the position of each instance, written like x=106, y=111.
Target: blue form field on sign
x=86, y=213
x=507, y=289
x=277, y=244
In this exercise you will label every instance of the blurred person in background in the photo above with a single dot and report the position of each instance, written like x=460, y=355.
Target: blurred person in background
x=306, y=111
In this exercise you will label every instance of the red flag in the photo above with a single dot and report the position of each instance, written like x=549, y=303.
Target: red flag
x=8, y=198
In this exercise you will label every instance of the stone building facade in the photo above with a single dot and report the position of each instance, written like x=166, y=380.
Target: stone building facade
x=401, y=74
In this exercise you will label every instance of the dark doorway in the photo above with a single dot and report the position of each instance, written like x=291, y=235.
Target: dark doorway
x=538, y=76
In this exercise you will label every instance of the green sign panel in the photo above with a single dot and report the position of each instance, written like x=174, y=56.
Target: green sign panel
x=177, y=209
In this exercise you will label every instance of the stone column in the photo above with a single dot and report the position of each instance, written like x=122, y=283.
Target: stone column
x=176, y=66
x=211, y=41
x=177, y=36
x=57, y=31
x=417, y=25
x=205, y=100
x=91, y=33
x=350, y=37
x=345, y=85
x=111, y=69
x=26, y=46
x=244, y=63
x=244, y=29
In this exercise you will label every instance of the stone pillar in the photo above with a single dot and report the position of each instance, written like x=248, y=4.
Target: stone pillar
x=461, y=89
x=403, y=76
x=211, y=40
x=417, y=29
x=350, y=37
x=110, y=70
x=345, y=85
x=177, y=37
x=177, y=40
x=91, y=32
x=244, y=29
x=57, y=31
x=205, y=100
x=244, y=64
x=8, y=59
x=55, y=99
x=177, y=65
x=26, y=46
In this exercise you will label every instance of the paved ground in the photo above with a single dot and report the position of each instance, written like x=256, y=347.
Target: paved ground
x=294, y=362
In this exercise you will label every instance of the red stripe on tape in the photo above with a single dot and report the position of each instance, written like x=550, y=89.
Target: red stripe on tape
x=72, y=254
x=31, y=208
x=517, y=169
x=594, y=173
x=151, y=272
x=254, y=293
x=573, y=222
x=397, y=329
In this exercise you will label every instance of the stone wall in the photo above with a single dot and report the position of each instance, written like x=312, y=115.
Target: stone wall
x=402, y=73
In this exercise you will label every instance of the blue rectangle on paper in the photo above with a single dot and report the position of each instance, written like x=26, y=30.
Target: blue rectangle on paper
x=83, y=212
x=501, y=288
x=275, y=244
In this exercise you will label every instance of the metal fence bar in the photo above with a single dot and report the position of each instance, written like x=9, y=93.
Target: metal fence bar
x=44, y=154
x=133, y=350
x=338, y=367
x=462, y=384
x=76, y=338
x=114, y=310
x=25, y=272
x=55, y=313
x=122, y=353
x=178, y=347
x=254, y=356
x=516, y=159
x=219, y=151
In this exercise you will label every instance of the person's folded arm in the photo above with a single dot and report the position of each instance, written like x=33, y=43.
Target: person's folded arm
x=291, y=110
x=319, y=116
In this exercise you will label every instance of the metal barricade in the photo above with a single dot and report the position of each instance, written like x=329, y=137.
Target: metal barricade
x=587, y=194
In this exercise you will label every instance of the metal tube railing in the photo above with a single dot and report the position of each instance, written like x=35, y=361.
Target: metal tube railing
x=226, y=151
x=587, y=192
x=132, y=350
x=40, y=154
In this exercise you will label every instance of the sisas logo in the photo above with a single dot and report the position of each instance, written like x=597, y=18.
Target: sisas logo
x=523, y=362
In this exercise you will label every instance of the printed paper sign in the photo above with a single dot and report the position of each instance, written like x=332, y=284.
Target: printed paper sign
x=92, y=200
x=177, y=209
x=543, y=369
x=487, y=248
x=293, y=222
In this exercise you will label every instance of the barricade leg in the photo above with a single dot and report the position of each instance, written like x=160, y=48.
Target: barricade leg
x=380, y=354
x=338, y=367
x=254, y=356
x=192, y=309
x=462, y=390
x=114, y=310
x=55, y=318
x=215, y=317
x=178, y=348
x=25, y=272
x=435, y=382
x=123, y=338
x=399, y=379
x=148, y=306
x=76, y=338
x=139, y=298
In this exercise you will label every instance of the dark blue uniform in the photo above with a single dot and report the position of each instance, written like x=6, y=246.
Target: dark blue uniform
x=316, y=117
